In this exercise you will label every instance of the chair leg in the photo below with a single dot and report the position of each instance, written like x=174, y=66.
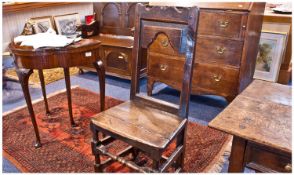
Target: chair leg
x=135, y=153
x=181, y=141
x=156, y=165
x=94, y=144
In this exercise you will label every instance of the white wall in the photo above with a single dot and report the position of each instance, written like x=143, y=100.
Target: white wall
x=13, y=23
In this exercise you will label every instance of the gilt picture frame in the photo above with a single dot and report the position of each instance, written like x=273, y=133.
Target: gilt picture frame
x=42, y=24
x=67, y=24
x=270, y=55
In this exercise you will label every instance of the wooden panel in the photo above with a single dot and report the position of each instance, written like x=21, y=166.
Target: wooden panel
x=212, y=79
x=222, y=23
x=110, y=15
x=117, y=60
x=173, y=31
x=219, y=51
x=130, y=15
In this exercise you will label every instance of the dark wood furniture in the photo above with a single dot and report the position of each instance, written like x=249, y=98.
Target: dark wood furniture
x=146, y=124
x=260, y=120
x=116, y=34
x=84, y=52
x=286, y=66
x=26, y=6
x=227, y=46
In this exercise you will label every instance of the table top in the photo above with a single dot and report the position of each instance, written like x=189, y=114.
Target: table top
x=261, y=113
x=84, y=52
x=84, y=43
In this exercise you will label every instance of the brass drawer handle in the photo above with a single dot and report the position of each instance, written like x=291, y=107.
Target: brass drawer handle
x=123, y=56
x=223, y=24
x=164, y=43
x=220, y=50
x=163, y=67
x=288, y=167
x=217, y=78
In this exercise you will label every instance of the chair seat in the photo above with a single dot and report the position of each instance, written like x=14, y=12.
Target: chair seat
x=137, y=122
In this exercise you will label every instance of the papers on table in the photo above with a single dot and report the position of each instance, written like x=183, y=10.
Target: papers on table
x=48, y=39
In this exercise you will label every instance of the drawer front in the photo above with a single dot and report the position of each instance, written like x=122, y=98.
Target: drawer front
x=220, y=23
x=220, y=51
x=117, y=60
x=213, y=79
x=258, y=157
x=166, y=69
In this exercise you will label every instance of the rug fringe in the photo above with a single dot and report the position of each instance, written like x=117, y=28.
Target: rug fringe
x=222, y=157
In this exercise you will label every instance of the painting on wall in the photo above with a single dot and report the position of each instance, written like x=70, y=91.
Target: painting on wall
x=270, y=55
x=42, y=24
x=67, y=24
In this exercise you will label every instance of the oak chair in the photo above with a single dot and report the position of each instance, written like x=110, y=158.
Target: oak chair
x=145, y=123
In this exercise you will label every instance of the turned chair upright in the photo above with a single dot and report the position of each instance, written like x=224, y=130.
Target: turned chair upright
x=147, y=124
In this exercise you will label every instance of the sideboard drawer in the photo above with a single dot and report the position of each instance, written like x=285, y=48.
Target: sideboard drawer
x=267, y=159
x=165, y=68
x=215, y=79
x=117, y=59
x=220, y=51
x=222, y=23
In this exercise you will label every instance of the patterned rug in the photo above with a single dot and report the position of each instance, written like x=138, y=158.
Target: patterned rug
x=67, y=149
x=50, y=75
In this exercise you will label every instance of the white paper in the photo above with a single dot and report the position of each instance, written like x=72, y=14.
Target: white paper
x=48, y=39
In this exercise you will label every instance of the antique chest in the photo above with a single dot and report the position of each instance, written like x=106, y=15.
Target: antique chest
x=226, y=49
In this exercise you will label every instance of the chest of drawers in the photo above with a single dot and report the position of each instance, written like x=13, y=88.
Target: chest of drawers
x=226, y=49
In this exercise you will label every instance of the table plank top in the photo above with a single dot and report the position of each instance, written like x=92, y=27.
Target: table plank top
x=261, y=113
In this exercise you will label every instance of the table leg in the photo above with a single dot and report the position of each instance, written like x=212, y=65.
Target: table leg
x=23, y=76
x=101, y=75
x=42, y=81
x=68, y=91
x=237, y=155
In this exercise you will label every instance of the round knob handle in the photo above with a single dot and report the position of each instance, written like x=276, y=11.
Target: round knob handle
x=288, y=167
x=123, y=56
x=223, y=24
x=163, y=67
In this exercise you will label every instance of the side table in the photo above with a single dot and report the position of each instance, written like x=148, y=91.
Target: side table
x=84, y=52
x=260, y=121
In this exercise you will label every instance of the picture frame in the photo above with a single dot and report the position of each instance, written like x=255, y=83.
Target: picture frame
x=270, y=55
x=67, y=24
x=42, y=24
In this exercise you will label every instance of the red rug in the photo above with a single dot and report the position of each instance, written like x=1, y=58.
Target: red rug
x=67, y=149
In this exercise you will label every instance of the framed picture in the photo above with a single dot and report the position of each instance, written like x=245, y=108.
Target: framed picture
x=67, y=24
x=42, y=24
x=270, y=55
